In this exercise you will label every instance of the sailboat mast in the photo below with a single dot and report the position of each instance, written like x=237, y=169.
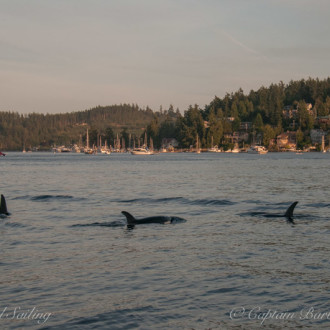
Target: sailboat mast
x=151, y=143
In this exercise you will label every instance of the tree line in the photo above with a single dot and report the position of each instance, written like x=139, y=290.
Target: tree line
x=263, y=109
x=18, y=131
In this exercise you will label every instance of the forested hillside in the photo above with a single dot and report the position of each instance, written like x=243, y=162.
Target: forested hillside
x=266, y=112
x=32, y=130
x=295, y=106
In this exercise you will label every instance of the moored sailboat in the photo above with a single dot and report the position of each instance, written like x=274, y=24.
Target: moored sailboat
x=214, y=148
x=141, y=151
x=87, y=149
x=198, y=150
x=144, y=149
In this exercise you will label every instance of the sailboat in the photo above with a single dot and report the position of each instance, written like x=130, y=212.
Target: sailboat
x=117, y=146
x=104, y=149
x=198, y=150
x=213, y=147
x=257, y=149
x=87, y=149
x=236, y=149
x=77, y=148
x=144, y=149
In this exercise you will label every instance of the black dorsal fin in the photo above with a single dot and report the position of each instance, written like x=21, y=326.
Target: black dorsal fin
x=289, y=211
x=3, y=206
x=130, y=219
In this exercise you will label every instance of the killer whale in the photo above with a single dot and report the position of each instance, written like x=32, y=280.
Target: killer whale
x=131, y=221
x=288, y=214
x=3, y=206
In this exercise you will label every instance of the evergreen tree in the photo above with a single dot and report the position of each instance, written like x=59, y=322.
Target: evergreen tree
x=215, y=130
x=258, y=123
x=268, y=135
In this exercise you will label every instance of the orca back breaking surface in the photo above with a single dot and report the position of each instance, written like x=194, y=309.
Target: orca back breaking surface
x=131, y=221
x=3, y=206
x=289, y=212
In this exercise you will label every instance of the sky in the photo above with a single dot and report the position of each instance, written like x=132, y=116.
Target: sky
x=60, y=56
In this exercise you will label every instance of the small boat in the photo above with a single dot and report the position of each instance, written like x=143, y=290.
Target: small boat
x=163, y=150
x=2, y=154
x=141, y=151
x=105, y=151
x=236, y=149
x=65, y=149
x=76, y=149
x=214, y=149
x=261, y=150
x=88, y=151
x=144, y=150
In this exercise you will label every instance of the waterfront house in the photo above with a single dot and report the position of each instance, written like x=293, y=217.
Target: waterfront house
x=316, y=135
x=246, y=125
x=323, y=120
x=287, y=140
x=206, y=124
x=169, y=143
x=233, y=138
x=236, y=137
x=289, y=112
x=311, y=110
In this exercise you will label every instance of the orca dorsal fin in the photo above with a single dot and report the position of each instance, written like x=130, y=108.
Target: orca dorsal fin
x=130, y=219
x=3, y=206
x=289, y=211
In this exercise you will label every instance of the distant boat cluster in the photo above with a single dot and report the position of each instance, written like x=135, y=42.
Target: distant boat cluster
x=146, y=149
x=107, y=150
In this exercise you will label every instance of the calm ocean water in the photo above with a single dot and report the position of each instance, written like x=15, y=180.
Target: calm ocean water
x=69, y=262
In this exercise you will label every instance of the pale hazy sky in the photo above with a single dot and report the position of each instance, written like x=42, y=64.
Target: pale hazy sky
x=69, y=55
